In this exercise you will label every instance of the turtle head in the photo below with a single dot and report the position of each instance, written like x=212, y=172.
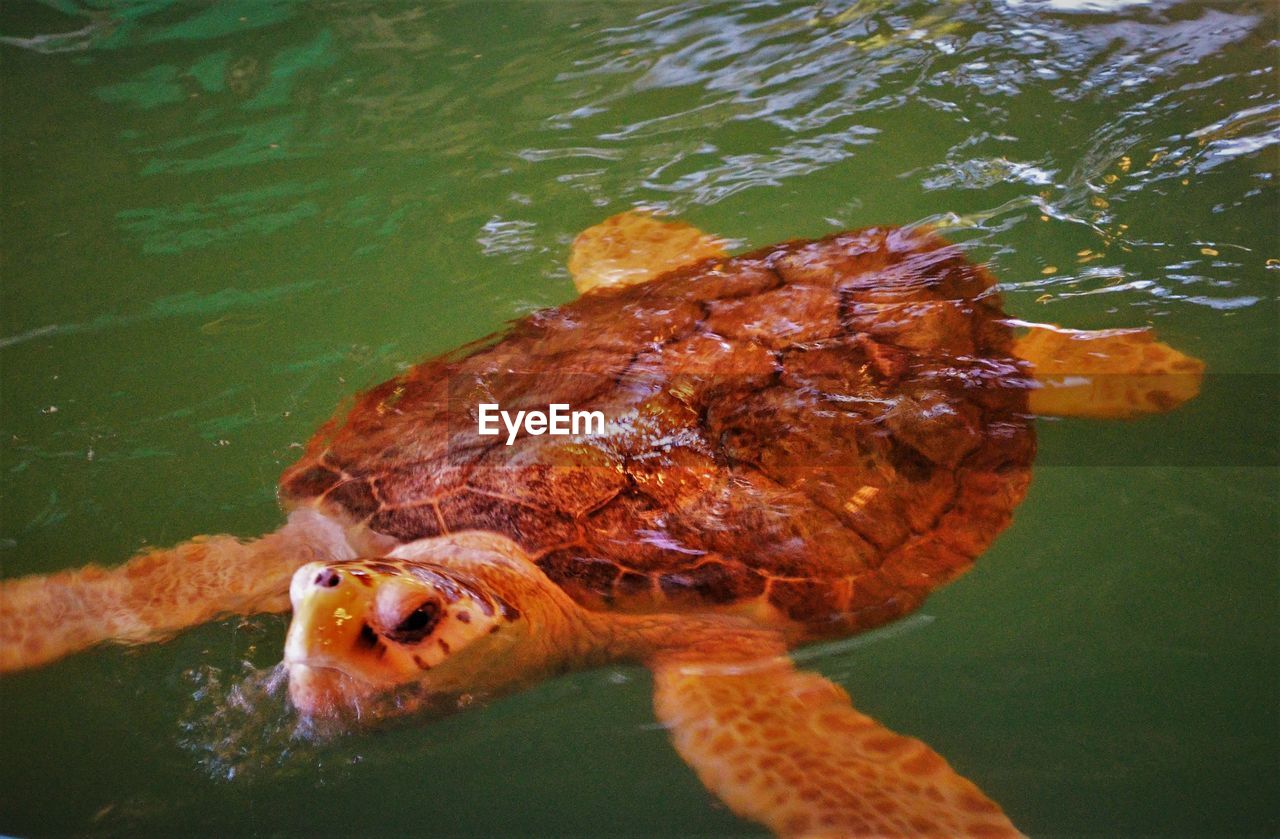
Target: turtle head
x=436, y=622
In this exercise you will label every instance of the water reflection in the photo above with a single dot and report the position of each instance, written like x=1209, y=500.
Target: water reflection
x=686, y=104
x=272, y=202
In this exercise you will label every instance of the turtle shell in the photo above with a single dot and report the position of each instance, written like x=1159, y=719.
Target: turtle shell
x=817, y=433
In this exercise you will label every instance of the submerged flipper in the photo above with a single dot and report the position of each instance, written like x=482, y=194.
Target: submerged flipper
x=633, y=247
x=1108, y=374
x=45, y=617
x=786, y=748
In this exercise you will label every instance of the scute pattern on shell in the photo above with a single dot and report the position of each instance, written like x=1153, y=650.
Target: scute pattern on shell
x=819, y=432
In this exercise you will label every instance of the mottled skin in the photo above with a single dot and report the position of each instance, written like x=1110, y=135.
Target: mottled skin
x=462, y=617
x=816, y=434
x=803, y=442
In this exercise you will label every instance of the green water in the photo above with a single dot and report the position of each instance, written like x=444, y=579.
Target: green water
x=220, y=219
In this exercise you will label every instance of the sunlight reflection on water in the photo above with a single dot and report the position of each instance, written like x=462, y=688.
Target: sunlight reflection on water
x=264, y=206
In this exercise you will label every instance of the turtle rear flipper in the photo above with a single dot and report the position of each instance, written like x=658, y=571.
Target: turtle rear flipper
x=634, y=247
x=46, y=617
x=1106, y=374
x=787, y=748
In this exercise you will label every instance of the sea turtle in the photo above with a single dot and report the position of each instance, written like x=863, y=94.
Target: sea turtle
x=800, y=443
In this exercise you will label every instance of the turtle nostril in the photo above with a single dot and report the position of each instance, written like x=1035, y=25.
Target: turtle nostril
x=328, y=578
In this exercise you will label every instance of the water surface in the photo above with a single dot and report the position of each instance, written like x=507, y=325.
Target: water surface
x=219, y=220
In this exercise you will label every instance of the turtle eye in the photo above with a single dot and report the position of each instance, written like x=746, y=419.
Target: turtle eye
x=416, y=625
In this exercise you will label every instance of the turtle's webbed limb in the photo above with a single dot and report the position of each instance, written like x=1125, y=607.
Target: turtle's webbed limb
x=43, y=618
x=634, y=247
x=786, y=748
x=1108, y=374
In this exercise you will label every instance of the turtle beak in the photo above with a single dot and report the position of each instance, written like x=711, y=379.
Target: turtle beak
x=327, y=639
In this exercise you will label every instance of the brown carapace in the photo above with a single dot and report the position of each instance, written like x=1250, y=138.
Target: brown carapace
x=800, y=442
x=823, y=430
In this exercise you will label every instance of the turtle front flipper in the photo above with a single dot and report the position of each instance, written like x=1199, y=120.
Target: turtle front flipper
x=1107, y=374
x=633, y=247
x=46, y=617
x=787, y=749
